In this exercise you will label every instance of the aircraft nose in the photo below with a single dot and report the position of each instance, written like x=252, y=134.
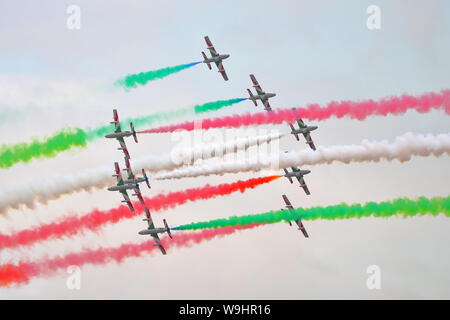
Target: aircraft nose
x=142, y=232
x=307, y=171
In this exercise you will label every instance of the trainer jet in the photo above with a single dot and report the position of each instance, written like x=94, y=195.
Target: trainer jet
x=216, y=58
x=298, y=221
x=305, y=131
x=151, y=230
x=261, y=94
x=122, y=187
x=119, y=134
x=298, y=174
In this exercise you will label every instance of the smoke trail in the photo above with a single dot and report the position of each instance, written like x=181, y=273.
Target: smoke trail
x=23, y=272
x=29, y=193
x=46, y=148
x=353, y=109
x=72, y=225
x=402, y=149
x=133, y=80
x=165, y=116
x=75, y=137
x=398, y=207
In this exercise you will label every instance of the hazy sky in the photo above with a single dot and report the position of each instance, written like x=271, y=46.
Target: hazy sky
x=305, y=51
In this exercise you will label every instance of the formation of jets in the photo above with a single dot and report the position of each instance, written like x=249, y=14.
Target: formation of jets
x=132, y=182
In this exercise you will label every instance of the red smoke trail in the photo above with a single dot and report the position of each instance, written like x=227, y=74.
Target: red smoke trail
x=72, y=225
x=21, y=273
x=355, y=110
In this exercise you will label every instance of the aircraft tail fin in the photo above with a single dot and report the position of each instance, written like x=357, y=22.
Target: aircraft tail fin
x=206, y=58
x=167, y=228
x=133, y=132
x=251, y=96
x=146, y=179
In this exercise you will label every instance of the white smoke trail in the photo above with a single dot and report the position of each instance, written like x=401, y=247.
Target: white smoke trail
x=29, y=194
x=402, y=149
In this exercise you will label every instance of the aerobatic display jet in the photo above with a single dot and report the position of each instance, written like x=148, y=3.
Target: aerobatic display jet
x=119, y=134
x=122, y=187
x=298, y=174
x=151, y=230
x=305, y=131
x=261, y=95
x=298, y=221
x=216, y=58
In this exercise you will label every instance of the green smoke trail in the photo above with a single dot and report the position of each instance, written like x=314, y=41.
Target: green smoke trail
x=76, y=137
x=133, y=80
x=151, y=119
x=46, y=148
x=398, y=207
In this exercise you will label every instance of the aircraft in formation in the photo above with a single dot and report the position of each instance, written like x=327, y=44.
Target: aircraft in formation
x=261, y=94
x=298, y=221
x=216, y=58
x=151, y=230
x=119, y=134
x=305, y=131
x=131, y=183
x=298, y=174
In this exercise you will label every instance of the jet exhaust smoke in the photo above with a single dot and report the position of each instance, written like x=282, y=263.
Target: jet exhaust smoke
x=22, y=272
x=398, y=207
x=354, y=109
x=42, y=191
x=402, y=149
x=72, y=225
x=133, y=80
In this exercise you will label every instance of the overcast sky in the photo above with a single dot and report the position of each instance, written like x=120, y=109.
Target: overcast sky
x=305, y=51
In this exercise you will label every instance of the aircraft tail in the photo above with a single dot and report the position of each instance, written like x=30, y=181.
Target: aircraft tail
x=167, y=228
x=206, y=58
x=146, y=179
x=251, y=96
x=133, y=132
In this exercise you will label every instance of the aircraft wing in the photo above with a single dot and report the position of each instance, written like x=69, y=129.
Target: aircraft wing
x=293, y=132
x=287, y=176
x=300, y=123
x=128, y=168
x=211, y=48
x=301, y=227
x=266, y=104
x=158, y=243
x=303, y=185
x=123, y=147
x=219, y=65
x=288, y=203
x=256, y=85
x=127, y=199
x=295, y=169
x=309, y=140
x=148, y=218
x=138, y=194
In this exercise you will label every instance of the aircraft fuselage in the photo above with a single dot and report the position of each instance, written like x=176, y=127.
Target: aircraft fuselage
x=304, y=130
x=299, y=174
x=153, y=231
x=126, y=186
x=119, y=134
x=264, y=96
x=218, y=58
